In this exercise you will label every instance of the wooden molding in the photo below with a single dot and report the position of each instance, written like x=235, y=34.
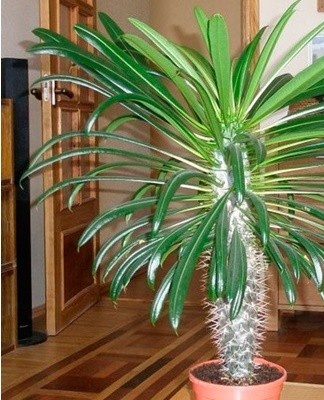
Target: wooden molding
x=320, y=5
x=39, y=312
x=250, y=20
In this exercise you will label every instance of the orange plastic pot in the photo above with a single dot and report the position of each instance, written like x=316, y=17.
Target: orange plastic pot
x=210, y=391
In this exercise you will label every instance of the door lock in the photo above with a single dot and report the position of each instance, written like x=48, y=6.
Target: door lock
x=50, y=86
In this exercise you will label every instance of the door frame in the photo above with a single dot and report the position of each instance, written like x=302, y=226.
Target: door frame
x=250, y=19
x=52, y=249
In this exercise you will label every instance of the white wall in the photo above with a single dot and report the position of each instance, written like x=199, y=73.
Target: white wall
x=121, y=10
x=175, y=19
x=18, y=18
x=305, y=18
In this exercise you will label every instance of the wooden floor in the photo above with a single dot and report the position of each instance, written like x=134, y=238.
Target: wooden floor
x=113, y=355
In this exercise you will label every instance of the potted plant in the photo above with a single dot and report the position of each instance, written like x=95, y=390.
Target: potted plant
x=224, y=198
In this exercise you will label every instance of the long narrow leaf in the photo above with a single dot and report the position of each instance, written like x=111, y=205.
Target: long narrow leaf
x=134, y=69
x=172, y=71
x=168, y=48
x=263, y=216
x=108, y=216
x=116, y=34
x=203, y=22
x=167, y=241
x=315, y=255
x=302, y=81
x=237, y=274
x=168, y=192
x=286, y=279
x=188, y=260
x=243, y=66
x=113, y=240
x=128, y=268
x=161, y=295
x=220, y=54
x=265, y=56
x=218, y=265
x=238, y=171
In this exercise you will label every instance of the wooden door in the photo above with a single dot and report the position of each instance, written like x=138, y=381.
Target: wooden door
x=70, y=287
x=8, y=232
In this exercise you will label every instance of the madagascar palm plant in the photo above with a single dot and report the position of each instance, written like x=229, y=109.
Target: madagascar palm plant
x=236, y=192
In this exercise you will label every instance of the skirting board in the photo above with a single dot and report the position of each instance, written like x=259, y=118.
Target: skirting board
x=39, y=311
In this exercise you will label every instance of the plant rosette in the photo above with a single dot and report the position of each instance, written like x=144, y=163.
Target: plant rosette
x=270, y=390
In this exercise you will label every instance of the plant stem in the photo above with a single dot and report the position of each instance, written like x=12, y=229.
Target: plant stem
x=238, y=341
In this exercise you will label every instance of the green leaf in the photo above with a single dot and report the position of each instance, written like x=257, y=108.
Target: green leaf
x=34, y=167
x=203, y=22
x=243, y=66
x=218, y=265
x=188, y=260
x=293, y=257
x=101, y=69
x=104, y=218
x=220, y=55
x=74, y=79
x=284, y=61
x=204, y=69
x=166, y=47
x=258, y=145
x=238, y=170
x=116, y=34
x=315, y=253
x=161, y=295
x=167, y=194
x=101, y=108
x=212, y=118
x=300, y=82
x=111, y=27
x=123, y=253
x=308, y=208
x=315, y=90
x=237, y=274
x=284, y=273
x=121, y=120
x=298, y=128
x=47, y=35
x=118, y=236
x=105, y=168
x=87, y=178
x=263, y=216
x=133, y=68
x=167, y=241
x=139, y=194
x=171, y=70
x=264, y=57
x=187, y=139
x=275, y=85
x=309, y=112
x=129, y=267
x=308, y=150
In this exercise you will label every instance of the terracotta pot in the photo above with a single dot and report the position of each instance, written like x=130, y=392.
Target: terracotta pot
x=210, y=391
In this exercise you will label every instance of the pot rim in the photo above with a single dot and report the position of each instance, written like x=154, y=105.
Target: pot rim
x=258, y=360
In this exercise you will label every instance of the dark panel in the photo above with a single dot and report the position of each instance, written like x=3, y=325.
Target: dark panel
x=15, y=86
x=77, y=271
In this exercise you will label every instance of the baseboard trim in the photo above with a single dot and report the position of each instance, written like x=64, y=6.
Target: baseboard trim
x=39, y=311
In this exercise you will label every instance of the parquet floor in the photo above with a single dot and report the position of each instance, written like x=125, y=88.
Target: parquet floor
x=113, y=355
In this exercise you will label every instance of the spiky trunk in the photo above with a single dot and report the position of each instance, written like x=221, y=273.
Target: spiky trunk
x=238, y=341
